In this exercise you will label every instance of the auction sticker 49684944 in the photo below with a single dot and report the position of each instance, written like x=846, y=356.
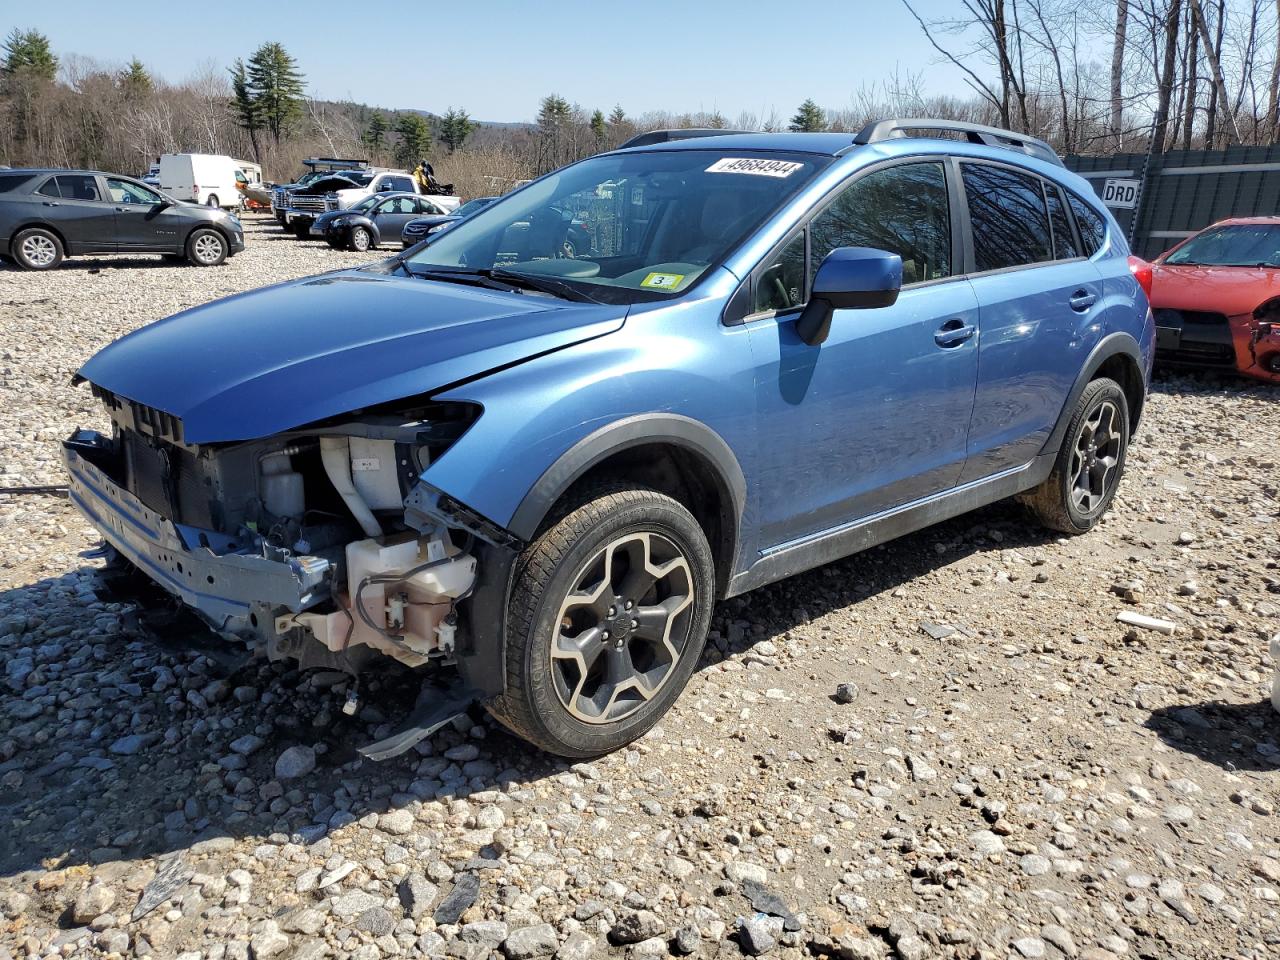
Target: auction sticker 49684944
x=755, y=166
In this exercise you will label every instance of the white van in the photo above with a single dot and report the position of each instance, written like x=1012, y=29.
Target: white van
x=205, y=178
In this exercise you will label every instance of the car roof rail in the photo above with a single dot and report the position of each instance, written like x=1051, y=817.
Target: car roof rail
x=880, y=130
x=683, y=133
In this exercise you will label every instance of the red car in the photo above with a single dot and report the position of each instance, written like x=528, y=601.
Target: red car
x=1216, y=299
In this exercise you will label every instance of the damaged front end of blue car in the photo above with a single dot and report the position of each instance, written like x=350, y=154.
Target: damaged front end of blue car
x=282, y=492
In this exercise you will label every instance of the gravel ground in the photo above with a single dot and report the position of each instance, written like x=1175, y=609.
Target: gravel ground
x=945, y=747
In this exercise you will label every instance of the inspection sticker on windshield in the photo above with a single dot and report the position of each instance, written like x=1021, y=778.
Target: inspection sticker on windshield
x=755, y=166
x=663, y=281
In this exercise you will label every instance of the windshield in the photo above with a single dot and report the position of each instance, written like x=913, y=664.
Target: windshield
x=366, y=204
x=622, y=228
x=471, y=206
x=1242, y=245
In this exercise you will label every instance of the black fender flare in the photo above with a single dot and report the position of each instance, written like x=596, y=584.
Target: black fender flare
x=645, y=428
x=1112, y=345
x=482, y=649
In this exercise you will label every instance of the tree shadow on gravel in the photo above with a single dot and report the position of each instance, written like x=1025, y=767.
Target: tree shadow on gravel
x=1233, y=736
x=71, y=793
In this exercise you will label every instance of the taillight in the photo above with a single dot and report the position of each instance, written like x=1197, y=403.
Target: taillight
x=1143, y=273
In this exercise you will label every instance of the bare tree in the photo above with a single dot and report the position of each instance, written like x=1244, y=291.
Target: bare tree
x=1215, y=64
x=1117, y=71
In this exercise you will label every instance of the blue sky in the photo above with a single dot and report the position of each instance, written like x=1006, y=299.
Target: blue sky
x=499, y=58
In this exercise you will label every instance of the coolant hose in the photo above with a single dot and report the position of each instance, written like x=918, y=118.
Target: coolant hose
x=335, y=454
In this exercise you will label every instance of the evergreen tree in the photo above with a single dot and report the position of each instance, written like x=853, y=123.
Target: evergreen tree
x=415, y=138
x=617, y=116
x=275, y=87
x=135, y=80
x=809, y=118
x=375, y=135
x=242, y=102
x=455, y=127
x=28, y=52
x=598, y=130
x=554, y=117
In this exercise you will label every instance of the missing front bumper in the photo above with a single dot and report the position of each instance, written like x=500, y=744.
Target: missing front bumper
x=234, y=587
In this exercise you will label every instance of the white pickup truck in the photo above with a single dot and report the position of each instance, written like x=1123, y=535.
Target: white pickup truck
x=344, y=190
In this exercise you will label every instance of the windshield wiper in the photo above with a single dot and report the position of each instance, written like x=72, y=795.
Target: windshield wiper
x=471, y=278
x=542, y=284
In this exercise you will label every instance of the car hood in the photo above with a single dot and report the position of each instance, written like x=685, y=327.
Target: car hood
x=284, y=356
x=1227, y=290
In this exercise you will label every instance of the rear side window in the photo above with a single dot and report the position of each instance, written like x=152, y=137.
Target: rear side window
x=902, y=209
x=1093, y=229
x=71, y=186
x=1008, y=217
x=10, y=181
x=1064, y=238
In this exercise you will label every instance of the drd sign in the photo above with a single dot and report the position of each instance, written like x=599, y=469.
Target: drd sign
x=1120, y=193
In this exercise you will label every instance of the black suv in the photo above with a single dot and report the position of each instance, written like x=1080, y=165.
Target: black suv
x=46, y=215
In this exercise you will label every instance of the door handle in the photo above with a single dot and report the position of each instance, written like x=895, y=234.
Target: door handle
x=52, y=203
x=953, y=333
x=1082, y=300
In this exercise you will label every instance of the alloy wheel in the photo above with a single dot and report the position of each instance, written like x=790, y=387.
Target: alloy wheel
x=207, y=248
x=1095, y=457
x=622, y=628
x=360, y=239
x=39, y=251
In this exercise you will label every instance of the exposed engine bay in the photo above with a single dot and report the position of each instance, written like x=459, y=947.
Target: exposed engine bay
x=299, y=543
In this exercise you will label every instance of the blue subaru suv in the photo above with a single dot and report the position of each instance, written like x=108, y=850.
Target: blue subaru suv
x=530, y=475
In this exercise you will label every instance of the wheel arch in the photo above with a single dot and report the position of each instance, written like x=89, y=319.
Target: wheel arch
x=205, y=225
x=39, y=225
x=675, y=455
x=1119, y=357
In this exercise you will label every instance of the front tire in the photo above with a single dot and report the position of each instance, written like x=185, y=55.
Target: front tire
x=361, y=239
x=206, y=247
x=608, y=617
x=1090, y=462
x=37, y=249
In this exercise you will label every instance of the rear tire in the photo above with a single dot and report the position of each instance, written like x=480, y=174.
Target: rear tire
x=607, y=620
x=1090, y=462
x=212, y=201
x=37, y=249
x=206, y=247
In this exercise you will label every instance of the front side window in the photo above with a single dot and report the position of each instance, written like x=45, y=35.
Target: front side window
x=398, y=183
x=399, y=205
x=780, y=284
x=1241, y=245
x=623, y=228
x=1093, y=229
x=902, y=209
x=1008, y=217
x=123, y=191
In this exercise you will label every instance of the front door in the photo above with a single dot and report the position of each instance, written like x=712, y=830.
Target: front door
x=74, y=204
x=878, y=415
x=391, y=215
x=145, y=222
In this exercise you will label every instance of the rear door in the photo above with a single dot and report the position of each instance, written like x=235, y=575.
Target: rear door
x=74, y=203
x=1037, y=297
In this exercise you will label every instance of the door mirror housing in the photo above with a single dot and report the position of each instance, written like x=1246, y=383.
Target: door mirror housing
x=849, y=278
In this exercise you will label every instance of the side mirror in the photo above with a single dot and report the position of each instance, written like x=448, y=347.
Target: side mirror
x=850, y=278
